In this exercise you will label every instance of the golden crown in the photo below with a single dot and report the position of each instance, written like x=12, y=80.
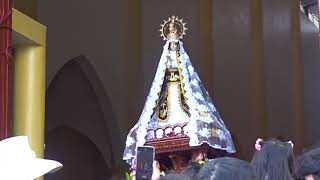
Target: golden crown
x=173, y=28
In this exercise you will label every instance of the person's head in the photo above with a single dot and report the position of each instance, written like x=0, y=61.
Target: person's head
x=192, y=170
x=308, y=165
x=273, y=160
x=226, y=168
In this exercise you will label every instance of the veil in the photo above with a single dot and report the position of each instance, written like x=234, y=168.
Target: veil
x=205, y=124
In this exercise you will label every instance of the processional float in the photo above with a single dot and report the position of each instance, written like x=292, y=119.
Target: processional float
x=178, y=118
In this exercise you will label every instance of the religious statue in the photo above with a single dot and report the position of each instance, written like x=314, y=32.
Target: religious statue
x=178, y=100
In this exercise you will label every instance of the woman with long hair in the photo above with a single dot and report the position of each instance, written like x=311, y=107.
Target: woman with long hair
x=273, y=160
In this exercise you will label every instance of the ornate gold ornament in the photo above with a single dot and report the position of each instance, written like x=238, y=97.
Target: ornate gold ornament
x=213, y=132
x=173, y=28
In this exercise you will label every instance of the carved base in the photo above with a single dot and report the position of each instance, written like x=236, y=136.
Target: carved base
x=173, y=151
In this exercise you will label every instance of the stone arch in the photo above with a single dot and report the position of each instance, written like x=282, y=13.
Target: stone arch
x=77, y=99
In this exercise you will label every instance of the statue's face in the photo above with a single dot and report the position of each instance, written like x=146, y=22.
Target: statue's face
x=171, y=27
x=173, y=46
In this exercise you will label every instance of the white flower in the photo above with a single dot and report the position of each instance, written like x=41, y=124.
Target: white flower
x=207, y=119
x=202, y=107
x=191, y=69
x=129, y=142
x=204, y=132
x=194, y=83
x=221, y=134
x=198, y=96
x=184, y=73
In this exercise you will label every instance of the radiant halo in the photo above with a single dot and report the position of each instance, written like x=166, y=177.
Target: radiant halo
x=173, y=28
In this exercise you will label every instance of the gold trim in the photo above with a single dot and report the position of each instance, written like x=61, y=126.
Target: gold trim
x=179, y=69
x=158, y=108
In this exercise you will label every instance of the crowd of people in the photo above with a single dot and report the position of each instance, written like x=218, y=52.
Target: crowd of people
x=272, y=160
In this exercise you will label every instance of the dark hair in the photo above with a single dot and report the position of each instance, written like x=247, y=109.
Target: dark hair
x=189, y=173
x=275, y=161
x=309, y=163
x=175, y=176
x=226, y=168
x=192, y=170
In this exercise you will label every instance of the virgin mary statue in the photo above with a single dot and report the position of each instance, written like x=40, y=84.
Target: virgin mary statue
x=177, y=96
